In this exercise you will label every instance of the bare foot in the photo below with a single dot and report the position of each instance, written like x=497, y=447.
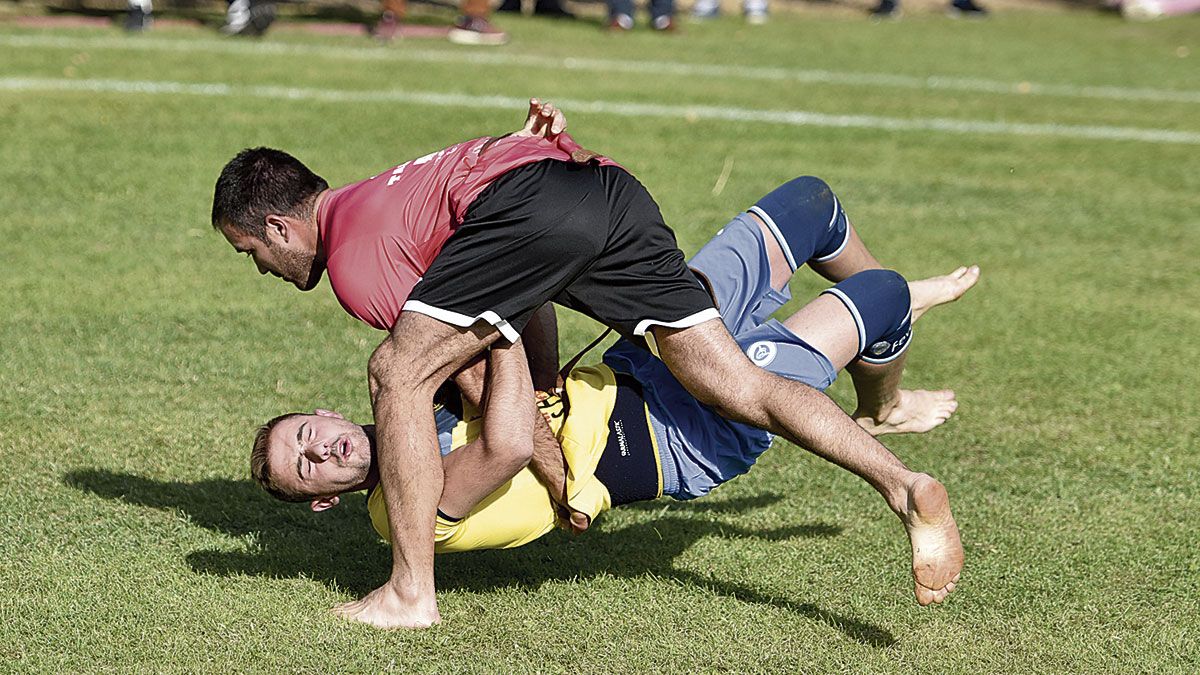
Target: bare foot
x=929, y=293
x=937, y=551
x=916, y=411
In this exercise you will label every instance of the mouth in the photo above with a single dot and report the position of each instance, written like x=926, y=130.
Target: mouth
x=344, y=448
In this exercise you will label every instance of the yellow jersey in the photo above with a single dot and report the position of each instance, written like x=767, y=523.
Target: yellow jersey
x=522, y=510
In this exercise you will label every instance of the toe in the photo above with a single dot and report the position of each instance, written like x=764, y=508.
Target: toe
x=924, y=595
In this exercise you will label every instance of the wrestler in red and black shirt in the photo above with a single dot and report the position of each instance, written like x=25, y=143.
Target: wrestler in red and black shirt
x=490, y=229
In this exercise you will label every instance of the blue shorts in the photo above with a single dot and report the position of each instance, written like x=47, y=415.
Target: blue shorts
x=700, y=449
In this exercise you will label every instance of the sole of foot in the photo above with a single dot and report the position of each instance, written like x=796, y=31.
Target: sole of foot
x=937, y=553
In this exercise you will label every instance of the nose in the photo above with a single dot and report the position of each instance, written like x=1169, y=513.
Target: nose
x=317, y=451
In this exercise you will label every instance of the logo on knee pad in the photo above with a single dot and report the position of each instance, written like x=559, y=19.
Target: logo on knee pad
x=762, y=353
x=884, y=350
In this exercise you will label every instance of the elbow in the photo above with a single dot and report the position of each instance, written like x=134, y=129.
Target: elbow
x=522, y=455
x=518, y=455
x=512, y=455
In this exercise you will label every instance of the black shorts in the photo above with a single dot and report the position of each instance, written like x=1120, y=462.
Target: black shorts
x=587, y=237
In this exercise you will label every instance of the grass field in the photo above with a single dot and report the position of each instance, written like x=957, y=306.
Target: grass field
x=139, y=351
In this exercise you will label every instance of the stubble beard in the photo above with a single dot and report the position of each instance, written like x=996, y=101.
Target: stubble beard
x=301, y=268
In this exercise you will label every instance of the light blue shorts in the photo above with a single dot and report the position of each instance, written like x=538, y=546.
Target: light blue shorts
x=700, y=449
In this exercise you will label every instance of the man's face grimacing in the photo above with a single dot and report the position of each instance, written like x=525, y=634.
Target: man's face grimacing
x=320, y=456
x=285, y=252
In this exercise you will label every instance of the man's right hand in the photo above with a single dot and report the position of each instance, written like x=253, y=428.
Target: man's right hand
x=384, y=607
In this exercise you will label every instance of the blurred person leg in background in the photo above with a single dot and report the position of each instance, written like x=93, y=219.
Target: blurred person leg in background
x=548, y=8
x=388, y=26
x=620, y=15
x=473, y=27
x=139, y=16
x=755, y=11
x=248, y=17
x=890, y=9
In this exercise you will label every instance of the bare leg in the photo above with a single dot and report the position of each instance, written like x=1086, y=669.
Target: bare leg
x=708, y=362
x=885, y=408
x=852, y=260
x=405, y=372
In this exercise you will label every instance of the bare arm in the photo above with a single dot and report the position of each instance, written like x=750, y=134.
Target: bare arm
x=541, y=347
x=504, y=447
x=547, y=461
x=540, y=343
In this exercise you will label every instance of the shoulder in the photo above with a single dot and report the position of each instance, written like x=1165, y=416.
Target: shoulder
x=372, y=280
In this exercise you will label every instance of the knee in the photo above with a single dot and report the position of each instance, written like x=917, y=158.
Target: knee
x=379, y=368
x=882, y=308
x=389, y=369
x=732, y=394
x=805, y=216
x=888, y=287
x=809, y=196
x=810, y=188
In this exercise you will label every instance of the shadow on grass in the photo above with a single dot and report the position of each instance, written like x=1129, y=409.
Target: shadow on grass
x=339, y=547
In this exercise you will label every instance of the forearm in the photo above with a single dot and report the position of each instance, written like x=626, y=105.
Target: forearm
x=540, y=338
x=549, y=466
x=547, y=462
x=508, y=409
x=503, y=448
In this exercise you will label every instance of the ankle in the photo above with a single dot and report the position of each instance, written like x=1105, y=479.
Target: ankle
x=897, y=490
x=877, y=411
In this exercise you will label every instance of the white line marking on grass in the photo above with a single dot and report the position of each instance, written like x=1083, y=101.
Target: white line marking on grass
x=655, y=68
x=625, y=109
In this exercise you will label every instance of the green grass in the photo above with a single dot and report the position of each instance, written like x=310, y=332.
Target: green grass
x=139, y=352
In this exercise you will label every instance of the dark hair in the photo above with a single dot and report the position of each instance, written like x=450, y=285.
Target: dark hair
x=263, y=181
x=260, y=467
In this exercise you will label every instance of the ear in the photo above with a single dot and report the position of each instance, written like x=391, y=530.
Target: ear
x=278, y=228
x=329, y=413
x=324, y=503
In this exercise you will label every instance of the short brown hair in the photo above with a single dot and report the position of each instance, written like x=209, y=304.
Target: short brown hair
x=261, y=181
x=260, y=466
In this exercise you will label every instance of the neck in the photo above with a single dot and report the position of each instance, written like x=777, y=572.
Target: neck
x=318, y=233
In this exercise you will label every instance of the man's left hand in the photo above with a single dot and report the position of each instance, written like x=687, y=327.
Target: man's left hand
x=543, y=121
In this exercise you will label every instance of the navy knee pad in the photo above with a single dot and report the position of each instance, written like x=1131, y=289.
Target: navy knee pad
x=882, y=308
x=807, y=220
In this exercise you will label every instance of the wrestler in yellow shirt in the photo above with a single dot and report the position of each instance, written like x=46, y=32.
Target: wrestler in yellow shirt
x=521, y=510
